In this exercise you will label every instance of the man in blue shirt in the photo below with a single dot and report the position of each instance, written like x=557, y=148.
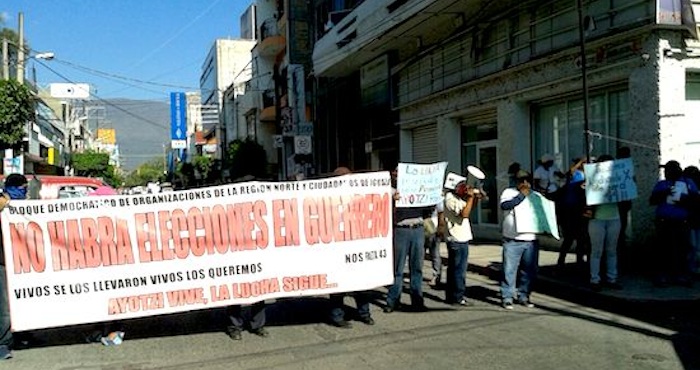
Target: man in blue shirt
x=671, y=197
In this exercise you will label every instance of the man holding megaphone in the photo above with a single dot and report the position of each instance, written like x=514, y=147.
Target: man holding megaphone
x=458, y=205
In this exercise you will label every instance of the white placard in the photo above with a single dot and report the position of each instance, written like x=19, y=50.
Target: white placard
x=420, y=185
x=610, y=182
x=536, y=214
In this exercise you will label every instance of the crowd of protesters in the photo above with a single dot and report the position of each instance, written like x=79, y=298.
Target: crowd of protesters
x=597, y=231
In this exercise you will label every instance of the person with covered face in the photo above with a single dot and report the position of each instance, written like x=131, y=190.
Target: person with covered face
x=458, y=206
x=672, y=198
x=15, y=188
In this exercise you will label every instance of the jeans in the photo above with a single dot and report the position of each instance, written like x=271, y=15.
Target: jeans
x=519, y=256
x=361, y=300
x=433, y=245
x=257, y=316
x=408, y=242
x=457, y=260
x=5, y=326
x=604, y=235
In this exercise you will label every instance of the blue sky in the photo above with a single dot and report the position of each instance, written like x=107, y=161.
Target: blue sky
x=158, y=41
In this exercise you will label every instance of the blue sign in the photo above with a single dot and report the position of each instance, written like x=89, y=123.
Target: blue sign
x=178, y=120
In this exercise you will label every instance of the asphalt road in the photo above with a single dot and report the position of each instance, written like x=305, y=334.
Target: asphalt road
x=562, y=331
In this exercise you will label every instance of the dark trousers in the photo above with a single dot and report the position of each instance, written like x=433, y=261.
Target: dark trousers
x=573, y=229
x=257, y=316
x=457, y=260
x=671, y=253
x=337, y=305
x=5, y=332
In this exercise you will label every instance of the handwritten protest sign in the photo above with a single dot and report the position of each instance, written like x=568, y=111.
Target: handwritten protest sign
x=610, y=182
x=420, y=185
x=536, y=214
x=108, y=258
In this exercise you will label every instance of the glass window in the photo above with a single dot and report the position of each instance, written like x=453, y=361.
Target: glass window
x=559, y=127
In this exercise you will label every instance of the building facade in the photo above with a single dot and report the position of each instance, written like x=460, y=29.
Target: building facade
x=226, y=63
x=491, y=83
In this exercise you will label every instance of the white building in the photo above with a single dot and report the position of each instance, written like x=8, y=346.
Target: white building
x=489, y=83
x=228, y=63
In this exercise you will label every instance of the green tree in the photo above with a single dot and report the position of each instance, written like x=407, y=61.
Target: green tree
x=203, y=165
x=94, y=164
x=150, y=171
x=16, y=109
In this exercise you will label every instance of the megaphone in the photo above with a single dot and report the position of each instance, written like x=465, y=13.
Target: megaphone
x=476, y=178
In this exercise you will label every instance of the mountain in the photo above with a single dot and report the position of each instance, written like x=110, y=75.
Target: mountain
x=142, y=127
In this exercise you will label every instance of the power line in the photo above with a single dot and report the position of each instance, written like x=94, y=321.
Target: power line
x=118, y=77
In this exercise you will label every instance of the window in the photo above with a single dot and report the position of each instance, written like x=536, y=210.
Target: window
x=559, y=128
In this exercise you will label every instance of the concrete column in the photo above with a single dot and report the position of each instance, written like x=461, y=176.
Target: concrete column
x=646, y=119
x=405, y=145
x=514, y=137
x=449, y=134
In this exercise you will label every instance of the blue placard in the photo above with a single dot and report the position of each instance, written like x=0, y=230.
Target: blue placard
x=178, y=119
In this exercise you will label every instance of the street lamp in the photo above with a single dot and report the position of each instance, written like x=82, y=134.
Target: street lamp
x=46, y=56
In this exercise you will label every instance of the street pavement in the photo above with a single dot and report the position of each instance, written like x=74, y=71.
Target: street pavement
x=485, y=258
x=558, y=333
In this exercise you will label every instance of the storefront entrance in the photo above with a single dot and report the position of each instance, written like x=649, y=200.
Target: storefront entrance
x=480, y=149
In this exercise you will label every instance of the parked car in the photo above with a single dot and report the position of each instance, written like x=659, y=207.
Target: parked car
x=58, y=187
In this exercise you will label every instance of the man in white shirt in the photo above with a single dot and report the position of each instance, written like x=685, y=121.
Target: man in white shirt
x=547, y=176
x=520, y=250
x=458, y=206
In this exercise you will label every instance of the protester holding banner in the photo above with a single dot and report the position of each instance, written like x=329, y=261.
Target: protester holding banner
x=361, y=298
x=520, y=249
x=409, y=242
x=604, y=230
x=15, y=188
x=671, y=198
x=458, y=206
x=256, y=311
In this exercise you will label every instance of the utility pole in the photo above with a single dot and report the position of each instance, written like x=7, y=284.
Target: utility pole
x=5, y=59
x=584, y=78
x=20, y=50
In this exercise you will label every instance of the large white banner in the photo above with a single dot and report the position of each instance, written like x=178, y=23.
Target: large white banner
x=610, y=181
x=420, y=185
x=108, y=258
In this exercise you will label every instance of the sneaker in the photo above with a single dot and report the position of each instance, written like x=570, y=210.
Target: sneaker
x=367, y=320
x=508, y=305
x=526, y=303
x=464, y=303
x=342, y=323
x=261, y=332
x=433, y=282
x=5, y=353
x=234, y=333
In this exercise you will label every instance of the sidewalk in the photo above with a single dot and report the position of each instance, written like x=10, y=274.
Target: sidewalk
x=485, y=259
